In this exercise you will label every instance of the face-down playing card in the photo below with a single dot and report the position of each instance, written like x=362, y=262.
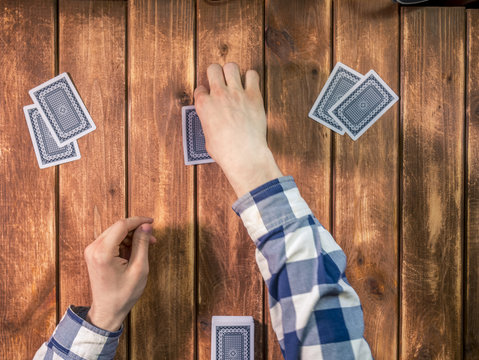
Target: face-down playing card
x=361, y=106
x=194, y=145
x=232, y=338
x=341, y=80
x=47, y=151
x=62, y=109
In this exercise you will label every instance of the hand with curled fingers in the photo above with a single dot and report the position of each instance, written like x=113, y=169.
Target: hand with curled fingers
x=234, y=123
x=117, y=264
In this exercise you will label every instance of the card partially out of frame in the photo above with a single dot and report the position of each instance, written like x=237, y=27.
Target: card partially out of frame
x=232, y=337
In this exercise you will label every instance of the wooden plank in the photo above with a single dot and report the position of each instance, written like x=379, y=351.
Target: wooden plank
x=229, y=282
x=298, y=63
x=27, y=194
x=92, y=190
x=432, y=111
x=161, y=80
x=471, y=340
x=366, y=173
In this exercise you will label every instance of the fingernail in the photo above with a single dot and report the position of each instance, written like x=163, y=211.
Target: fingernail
x=147, y=228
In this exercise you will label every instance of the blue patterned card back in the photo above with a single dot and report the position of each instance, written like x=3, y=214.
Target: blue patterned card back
x=363, y=105
x=62, y=109
x=232, y=338
x=341, y=80
x=46, y=149
x=232, y=342
x=194, y=144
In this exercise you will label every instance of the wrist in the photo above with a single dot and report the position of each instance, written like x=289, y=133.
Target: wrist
x=256, y=170
x=103, y=321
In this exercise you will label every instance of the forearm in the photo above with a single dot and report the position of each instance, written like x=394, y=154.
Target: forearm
x=75, y=338
x=314, y=311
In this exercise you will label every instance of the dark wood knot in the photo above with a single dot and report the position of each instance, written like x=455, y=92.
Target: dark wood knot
x=204, y=325
x=184, y=98
x=280, y=42
x=375, y=287
x=423, y=353
x=223, y=48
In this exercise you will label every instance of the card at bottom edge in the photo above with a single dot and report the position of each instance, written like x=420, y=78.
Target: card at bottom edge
x=47, y=151
x=232, y=338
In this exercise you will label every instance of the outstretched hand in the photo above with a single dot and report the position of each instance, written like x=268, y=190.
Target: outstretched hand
x=234, y=123
x=117, y=264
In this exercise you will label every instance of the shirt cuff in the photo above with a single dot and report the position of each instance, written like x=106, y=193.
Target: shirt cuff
x=271, y=205
x=76, y=338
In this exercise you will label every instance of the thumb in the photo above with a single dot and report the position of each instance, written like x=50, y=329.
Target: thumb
x=139, y=245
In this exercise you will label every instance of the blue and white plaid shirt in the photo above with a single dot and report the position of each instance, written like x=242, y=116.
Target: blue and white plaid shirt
x=315, y=313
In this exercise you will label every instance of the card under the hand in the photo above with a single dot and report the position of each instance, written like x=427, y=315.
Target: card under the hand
x=194, y=146
x=62, y=109
x=46, y=149
x=341, y=80
x=361, y=106
x=232, y=338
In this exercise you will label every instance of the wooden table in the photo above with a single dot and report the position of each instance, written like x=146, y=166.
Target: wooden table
x=402, y=201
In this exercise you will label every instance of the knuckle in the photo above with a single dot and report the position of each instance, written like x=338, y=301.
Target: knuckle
x=99, y=257
x=219, y=91
x=199, y=97
x=121, y=223
x=140, y=271
x=87, y=253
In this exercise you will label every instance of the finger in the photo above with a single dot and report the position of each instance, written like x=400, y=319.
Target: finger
x=232, y=75
x=215, y=76
x=139, y=247
x=119, y=231
x=200, y=92
x=252, y=80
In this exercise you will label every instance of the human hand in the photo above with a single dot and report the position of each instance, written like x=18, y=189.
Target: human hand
x=117, y=264
x=234, y=123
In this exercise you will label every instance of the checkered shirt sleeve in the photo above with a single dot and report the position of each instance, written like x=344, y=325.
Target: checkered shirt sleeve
x=315, y=312
x=76, y=339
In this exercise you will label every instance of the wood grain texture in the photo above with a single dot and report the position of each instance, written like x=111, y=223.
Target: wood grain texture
x=161, y=80
x=92, y=189
x=432, y=111
x=298, y=63
x=366, y=173
x=471, y=316
x=27, y=193
x=229, y=282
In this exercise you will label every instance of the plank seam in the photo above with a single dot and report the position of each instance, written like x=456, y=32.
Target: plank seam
x=465, y=188
x=332, y=137
x=400, y=179
x=127, y=185
x=264, y=325
x=195, y=202
x=399, y=191
x=57, y=174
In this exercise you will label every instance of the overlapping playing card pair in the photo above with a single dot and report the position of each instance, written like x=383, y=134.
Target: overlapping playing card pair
x=351, y=102
x=232, y=338
x=57, y=118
